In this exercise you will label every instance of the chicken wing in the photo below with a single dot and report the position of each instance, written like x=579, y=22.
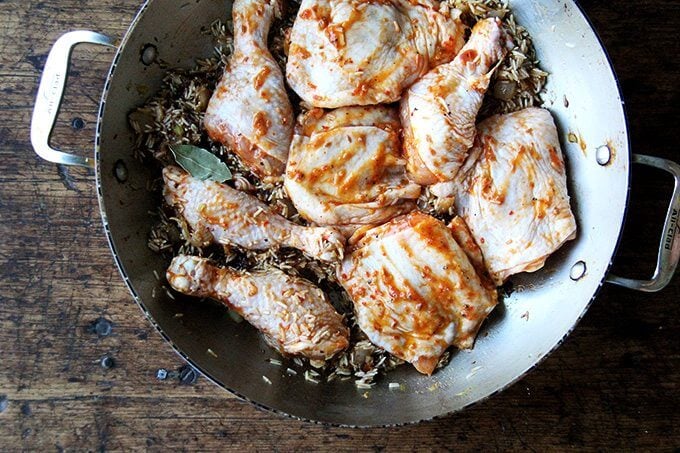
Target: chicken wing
x=345, y=168
x=439, y=111
x=414, y=289
x=361, y=52
x=513, y=192
x=218, y=213
x=249, y=110
x=293, y=314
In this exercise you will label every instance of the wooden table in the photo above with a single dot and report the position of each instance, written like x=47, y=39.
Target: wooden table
x=613, y=384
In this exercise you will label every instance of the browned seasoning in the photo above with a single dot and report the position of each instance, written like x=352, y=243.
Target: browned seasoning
x=261, y=123
x=612, y=151
x=261, y=77
x=555, y=159
x=336, y=35
x=468, y=56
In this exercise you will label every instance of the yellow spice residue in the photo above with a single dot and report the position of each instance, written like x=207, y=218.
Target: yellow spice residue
x=579, y=140
x=612, y=151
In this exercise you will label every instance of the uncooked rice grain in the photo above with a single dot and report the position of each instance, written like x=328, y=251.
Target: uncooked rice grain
x=174, y=115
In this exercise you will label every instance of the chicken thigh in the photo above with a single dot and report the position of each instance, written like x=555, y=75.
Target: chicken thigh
x=293, y=314
x=439, y=111
x=249, y=110
x=345, y=168
x=362, y=52
x=218, y=213
x=463, y=236
x=513, y=192
x=414, y=289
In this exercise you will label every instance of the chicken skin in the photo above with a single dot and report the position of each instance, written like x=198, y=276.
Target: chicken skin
x=345, y=168
x=295, y=316
x=218, y=213
x=439, y=111
x=249, y=110
x=415, y=290
x=463, y=236
x=362, y=52
x=513, y=192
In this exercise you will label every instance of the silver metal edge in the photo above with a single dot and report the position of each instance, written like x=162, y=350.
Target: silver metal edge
x=276, y=411
x=109, y=237
x=666, y=263
x=50, y=94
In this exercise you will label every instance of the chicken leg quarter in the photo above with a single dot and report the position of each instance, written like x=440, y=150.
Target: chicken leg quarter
x=294, y=315
x=249, y=110
x=439, y=111
x=218, y=213
x=363, y=52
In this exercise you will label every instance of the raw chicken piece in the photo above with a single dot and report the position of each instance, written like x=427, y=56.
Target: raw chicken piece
x=439, y=111
x=361, y=52
x=217, y=213
x=345, y=168
x=463, y=236
x=293, y=314
x=513, y=193
x=414, y=289
x=249, y=110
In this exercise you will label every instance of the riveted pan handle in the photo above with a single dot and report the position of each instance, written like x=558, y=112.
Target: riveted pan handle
x=51, y=91
x=669, y=248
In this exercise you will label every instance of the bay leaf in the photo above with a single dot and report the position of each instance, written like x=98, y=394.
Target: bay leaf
x=201, y=163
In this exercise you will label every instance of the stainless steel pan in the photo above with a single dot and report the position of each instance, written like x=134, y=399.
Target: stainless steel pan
x=509, y=345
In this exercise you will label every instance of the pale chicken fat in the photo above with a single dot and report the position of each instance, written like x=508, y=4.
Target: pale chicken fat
x=218, y=213
x=345, y=168
x=295, y=316
x=513, y=192
x=414, y=289
x=249, y=110
x=439, y=111
x=358, y=52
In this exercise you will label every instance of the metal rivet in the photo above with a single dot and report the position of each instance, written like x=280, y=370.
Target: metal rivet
x=26, y=410
x=107, y=362
x=102, y=327
x=120, y=171
x=578, y=270
x=149, y=53
x=187, y=375
x=603, y=155
x=77, y=123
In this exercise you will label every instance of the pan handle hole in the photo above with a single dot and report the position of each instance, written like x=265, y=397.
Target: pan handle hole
x=120, y=171
x=148, y=54
x=603, y=155
x=578, y=271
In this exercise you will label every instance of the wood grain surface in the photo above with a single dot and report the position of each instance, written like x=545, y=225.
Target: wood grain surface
x=612, y=385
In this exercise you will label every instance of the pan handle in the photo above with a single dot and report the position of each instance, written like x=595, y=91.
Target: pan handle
x=51, y=92
x=669, y=248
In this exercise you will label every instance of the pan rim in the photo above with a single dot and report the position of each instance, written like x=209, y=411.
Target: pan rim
x=140, y=303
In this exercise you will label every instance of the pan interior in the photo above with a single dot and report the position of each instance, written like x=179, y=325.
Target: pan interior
x=583, y=96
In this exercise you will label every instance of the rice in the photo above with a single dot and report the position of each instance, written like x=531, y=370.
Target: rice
x=175, y=115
